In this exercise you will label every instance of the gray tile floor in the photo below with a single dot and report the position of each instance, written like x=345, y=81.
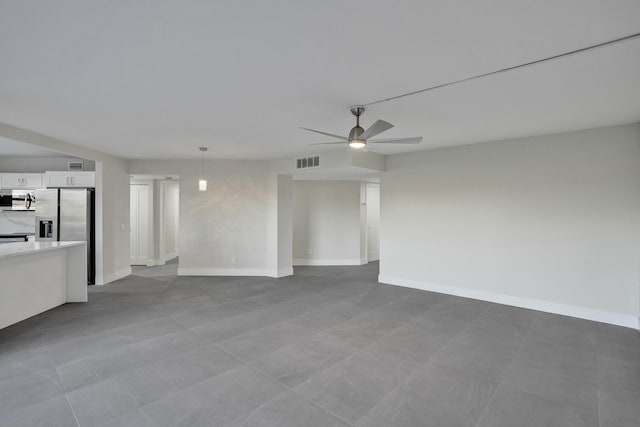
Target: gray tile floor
x=326, y=347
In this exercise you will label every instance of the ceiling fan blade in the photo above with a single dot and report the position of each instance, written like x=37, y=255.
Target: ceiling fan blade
x=327, y=134
x=328, y=143
x=412, y=140
x=378, y=127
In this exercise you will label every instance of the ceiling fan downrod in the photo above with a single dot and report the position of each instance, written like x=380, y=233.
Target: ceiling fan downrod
x=357, y=130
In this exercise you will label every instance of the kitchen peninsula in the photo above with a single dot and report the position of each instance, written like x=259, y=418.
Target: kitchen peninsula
x=38, y=276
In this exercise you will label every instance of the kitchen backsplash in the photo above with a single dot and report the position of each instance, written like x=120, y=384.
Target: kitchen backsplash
x=17, y=222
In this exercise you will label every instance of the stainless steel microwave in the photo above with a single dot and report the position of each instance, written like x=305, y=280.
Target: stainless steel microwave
x=6, y=199
x=17, y=200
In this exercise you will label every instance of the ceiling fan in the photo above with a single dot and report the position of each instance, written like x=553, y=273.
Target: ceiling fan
x=359, y=138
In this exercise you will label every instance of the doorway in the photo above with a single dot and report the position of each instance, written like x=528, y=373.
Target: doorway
x=154, y=220
x=335, y=229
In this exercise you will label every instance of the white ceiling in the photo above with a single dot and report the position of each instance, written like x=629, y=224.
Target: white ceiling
x=159, y=78
x=12, y=148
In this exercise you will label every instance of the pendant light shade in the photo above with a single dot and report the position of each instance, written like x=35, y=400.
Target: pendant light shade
x=202, y=182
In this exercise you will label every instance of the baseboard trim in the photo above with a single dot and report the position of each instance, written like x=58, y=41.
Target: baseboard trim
x=226, y=272
x=116, y=275
x=533, y=304
x=284, y=272
x=300, y=262
x=161, y=261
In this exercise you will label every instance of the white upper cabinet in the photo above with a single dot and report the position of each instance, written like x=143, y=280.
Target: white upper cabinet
x=70, y=179
x=27, y=181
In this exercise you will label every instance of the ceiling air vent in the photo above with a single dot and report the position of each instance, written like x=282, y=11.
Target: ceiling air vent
x=76, y=166
x=308, y=162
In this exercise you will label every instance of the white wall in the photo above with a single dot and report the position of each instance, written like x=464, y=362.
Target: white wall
x=326, y=223
x=372, y=211
x=550, y=222
x=171, y=202
x=284, y=222
x=229, y=221
x=112, y=220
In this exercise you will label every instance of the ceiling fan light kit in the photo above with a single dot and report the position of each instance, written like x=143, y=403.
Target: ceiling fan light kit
x=359, y=138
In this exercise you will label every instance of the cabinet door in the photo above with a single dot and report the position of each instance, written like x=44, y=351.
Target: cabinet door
x=70, y=179
x=33, y=180
x=11, y=180
x=83, y=179
x=21, y=180
x=56, y=179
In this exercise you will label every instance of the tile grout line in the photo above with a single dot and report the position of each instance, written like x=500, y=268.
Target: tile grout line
x=598, y=371
x=108, y=330
x=292, y=390
x=115, y=330
x=183, y=329
x=526, y=337
x=284, y=313
x=182, y=388
x=250, y=365
x=66, y=397
x=430, y=359
x=499, y=382
x=289, y=388
x=292, y=316
x=427, y=360
x=351, y=355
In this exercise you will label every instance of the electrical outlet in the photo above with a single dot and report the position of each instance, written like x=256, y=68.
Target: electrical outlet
x=309, y=251
x=233, y=260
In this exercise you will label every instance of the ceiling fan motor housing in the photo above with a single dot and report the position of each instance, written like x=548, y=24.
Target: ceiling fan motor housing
x=355, y=133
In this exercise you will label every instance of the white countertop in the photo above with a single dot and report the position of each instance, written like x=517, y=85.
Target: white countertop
x=21, y=248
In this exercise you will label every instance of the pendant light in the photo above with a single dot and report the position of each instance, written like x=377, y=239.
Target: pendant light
x=202, y=182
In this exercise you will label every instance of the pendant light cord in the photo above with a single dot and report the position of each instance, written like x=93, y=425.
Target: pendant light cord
x=515, y=67
x=203, y=150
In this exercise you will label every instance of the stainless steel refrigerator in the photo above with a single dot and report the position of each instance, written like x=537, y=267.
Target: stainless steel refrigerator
x=68, y=214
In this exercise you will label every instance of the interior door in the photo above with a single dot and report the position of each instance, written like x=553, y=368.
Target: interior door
x=373, y=222
x=139, y=203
